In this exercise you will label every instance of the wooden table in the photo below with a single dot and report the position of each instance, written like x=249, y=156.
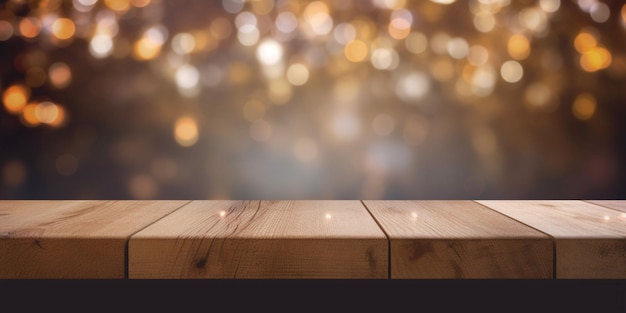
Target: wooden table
x=312, y=239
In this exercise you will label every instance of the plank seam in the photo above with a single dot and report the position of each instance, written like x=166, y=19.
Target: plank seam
x=126, y=243
x=516, y=220
x=601, y=205
x=386, y=235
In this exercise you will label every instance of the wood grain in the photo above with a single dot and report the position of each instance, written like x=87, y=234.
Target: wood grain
x=71, y=239
x=619, y=205
x=266, y=239
x=590, y=239
x=460, y=239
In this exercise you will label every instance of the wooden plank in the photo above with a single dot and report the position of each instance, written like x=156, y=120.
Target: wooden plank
x=266, y=239
x=619, y=205
x=71, y=239
x=460, y=239
x=590, y=239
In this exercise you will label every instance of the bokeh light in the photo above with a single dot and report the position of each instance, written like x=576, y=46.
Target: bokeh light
x=321, y=99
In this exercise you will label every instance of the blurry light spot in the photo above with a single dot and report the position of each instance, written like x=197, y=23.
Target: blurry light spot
x=606, y=218
x=248, y=35
x=385, y=59
x=585, y=42
x=60, y=75
x=118, y=5
x=14, y=173
x=305, y=150
x=233, y=6
x=46, y=112
x=346, y=126
x=595, y=59
x=142, y=187
x=584, y=106
x=623, y=215
x=600, y=12
x=6, y=30
x=317, y=17
x=222, y=213
x=140, y=3
x=400, y=25
x=344, y=33
x=518, y=47
x=484, y=22
x=383, y=125
x=269, y=52
x=186, y=131
x=35, y=77
x=262, y=7
x=413, y=87
x=286, y=22
x=245, y=19
x=328, y=216
x=550, y=6
x=356, y=51
x=457, y=48
x=416, y=42
x=511, y=71
x=29, y=27
x=63, y=28
x=260, y=130
x=66, y=164
x=533, y=19
x=29, y=118
x=146, y=49
x=187, y=76
x=478, y=55
x=279, y=91
x=443, y=1
x=483, y=81
x=183, y=43
x=414, y=215
x=15, y=98
x=297, y=74
x=101, y=46
x=537, y=95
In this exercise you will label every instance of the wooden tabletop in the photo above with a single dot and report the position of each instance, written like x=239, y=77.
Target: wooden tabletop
x=312, y=239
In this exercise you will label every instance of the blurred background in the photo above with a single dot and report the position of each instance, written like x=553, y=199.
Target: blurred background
x=343, y=99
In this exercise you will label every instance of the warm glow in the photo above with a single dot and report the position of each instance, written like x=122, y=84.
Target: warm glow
x=60, y=75
x=30, y=27
x=356, y=51
x=146, y=49
x=15, y=98
x=595, y=59
x=63, y=28
x=297, y=74
x=222, y=213
x=186, y=131
x=269, y=52
x=101, y=46
x=584, y=106
x=511, y=71
x=118, y=5
x=584, y=42
x=518, y=47
x=29, y=115
x=46, y=112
